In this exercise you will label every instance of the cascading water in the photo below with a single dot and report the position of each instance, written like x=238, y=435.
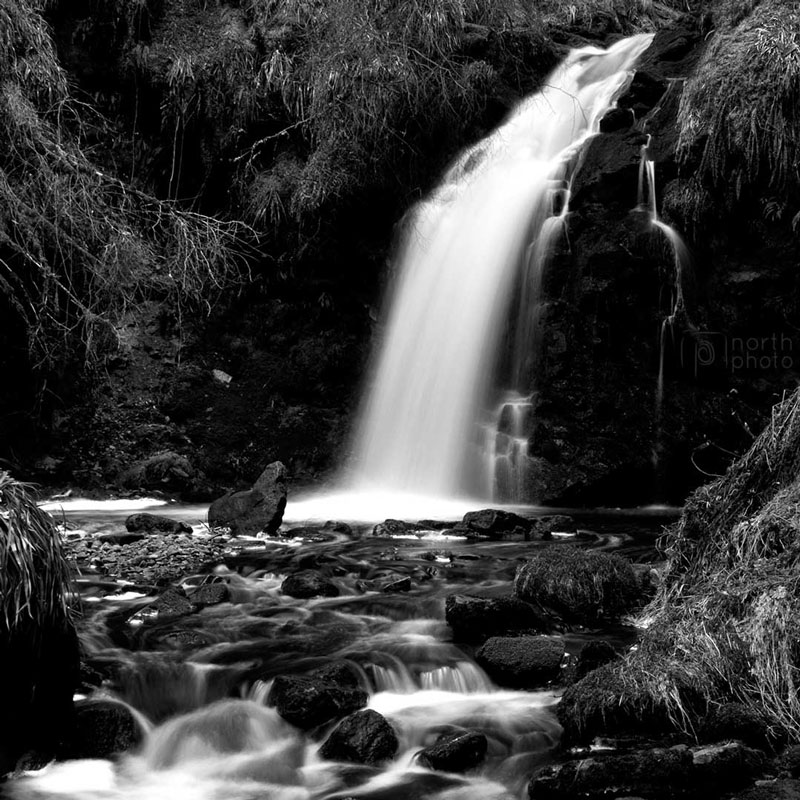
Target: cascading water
x=498, y=211
x=647, y=201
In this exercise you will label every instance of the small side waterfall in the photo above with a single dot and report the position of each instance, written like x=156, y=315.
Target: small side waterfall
x=489, y=226
x=647, y=201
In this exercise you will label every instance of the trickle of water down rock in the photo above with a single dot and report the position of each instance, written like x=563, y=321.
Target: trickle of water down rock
x=477, y=243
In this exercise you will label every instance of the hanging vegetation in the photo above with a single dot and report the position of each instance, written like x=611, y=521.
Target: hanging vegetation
x=740, y=113
x=77, y=246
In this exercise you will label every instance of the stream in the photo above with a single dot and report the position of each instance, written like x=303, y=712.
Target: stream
x=198, y=684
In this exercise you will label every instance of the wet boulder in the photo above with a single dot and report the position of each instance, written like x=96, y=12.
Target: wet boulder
x=578, y=585
x=309, y=535
x=254, y=510
x=120, y=538
x=363, y=738
x=400, y=585
x=455, y=752
x=658, y=773
x=154, y=523
x=394, y=527
x=604, y=703
x=478, y=618
x=735, y=721
x=308, y=702
x=545, y=527
x=494, y=523
x=308, y=583
x=173, y=603
x=525, y=662
x=103, y=729
x=725, y=764
x=211, y=594
x=655, y=773
x=593, y=655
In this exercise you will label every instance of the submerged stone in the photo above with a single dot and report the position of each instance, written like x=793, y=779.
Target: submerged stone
x=364, y=738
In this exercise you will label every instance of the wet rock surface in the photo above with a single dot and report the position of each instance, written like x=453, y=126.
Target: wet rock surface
x=257, y=509
x=527, y=662
x=364, y=738
x=154, y=523
x=103, y=729
x=478, y=618
x=308, y=583
x=494, y=523
x=455, y=752
x=308, y=702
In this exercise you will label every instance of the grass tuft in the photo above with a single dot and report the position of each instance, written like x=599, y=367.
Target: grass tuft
x=578, y=584
x=34, y=575
x=740, y=111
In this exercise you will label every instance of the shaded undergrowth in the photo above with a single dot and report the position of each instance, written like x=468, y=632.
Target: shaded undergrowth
x=725, y=624
x=79, y=247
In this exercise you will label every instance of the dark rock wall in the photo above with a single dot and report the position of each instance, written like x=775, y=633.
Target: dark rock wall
x=598, y=436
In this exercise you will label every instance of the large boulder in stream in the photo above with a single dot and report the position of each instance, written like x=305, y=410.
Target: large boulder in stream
x=525, y=662
x=477, y=618
x=363, y=738
x=254, y=510
x=308, y=702
x=494, y=523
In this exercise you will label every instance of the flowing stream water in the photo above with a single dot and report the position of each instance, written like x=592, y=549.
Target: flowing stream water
x=198, y=684
x=487, y=229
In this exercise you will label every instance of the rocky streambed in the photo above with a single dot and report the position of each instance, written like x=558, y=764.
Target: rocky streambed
x=416, y=659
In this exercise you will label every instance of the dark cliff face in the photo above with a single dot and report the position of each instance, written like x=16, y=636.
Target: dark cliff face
x=601, y=435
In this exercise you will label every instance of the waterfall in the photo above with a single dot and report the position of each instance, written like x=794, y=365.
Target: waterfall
x=485, y=230
x=680, y=255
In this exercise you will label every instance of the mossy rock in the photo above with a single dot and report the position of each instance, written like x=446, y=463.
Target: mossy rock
x=580, y=586
x=605, y=703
